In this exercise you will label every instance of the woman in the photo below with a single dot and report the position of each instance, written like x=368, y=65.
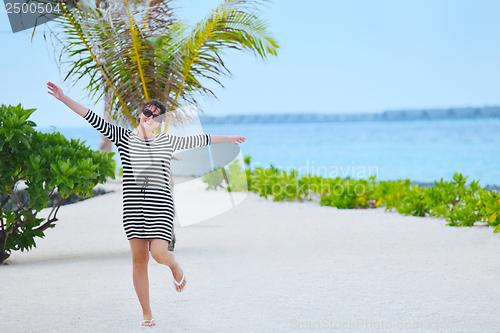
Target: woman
x=148, y=209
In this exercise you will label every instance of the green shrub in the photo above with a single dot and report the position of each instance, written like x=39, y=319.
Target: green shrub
x=233, y=173
x=390, y=193
x=279, y=184
x=214, y=179
x=350, y=193
x=415, y=202
x=236, y=176
x=489, y=208
x=48, y=163
x=459, y=204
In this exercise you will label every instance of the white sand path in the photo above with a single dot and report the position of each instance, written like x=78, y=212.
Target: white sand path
x=268, y=267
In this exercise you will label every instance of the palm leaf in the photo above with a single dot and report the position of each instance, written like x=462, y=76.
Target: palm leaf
x=227, y=26
x=77, y=25
x=132, y=51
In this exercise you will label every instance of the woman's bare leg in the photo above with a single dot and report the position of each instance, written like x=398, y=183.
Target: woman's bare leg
x=140, y=259
x=160, y=253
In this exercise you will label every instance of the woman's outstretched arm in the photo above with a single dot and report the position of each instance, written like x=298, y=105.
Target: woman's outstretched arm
x=200, y=140
x=226, y=138
x=113, y=132
x=58, y=93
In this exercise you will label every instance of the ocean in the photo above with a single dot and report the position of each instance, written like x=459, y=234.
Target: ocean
x=419, y=150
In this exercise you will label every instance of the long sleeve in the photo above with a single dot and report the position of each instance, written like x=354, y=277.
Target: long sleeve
x=188, y=142
x=113, y=132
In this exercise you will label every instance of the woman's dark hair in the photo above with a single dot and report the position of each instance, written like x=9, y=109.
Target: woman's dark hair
x=153, y=102
x=156, y=103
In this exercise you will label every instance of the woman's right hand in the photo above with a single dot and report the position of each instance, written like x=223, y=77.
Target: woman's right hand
x=55, y=91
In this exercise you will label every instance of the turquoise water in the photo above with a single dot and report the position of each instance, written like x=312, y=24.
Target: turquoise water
x=422, y=151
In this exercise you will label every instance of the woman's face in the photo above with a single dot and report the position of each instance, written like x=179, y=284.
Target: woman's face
x=148, y=122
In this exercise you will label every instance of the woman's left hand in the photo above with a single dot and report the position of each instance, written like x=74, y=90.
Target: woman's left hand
x=236, y=139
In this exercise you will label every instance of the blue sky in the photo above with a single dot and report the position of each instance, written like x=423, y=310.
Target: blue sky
x=345, y=56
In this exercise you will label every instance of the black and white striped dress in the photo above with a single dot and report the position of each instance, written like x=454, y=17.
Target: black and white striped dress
x=148, y=206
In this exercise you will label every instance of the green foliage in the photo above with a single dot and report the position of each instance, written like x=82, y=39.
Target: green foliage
x=214, y=179
x=280, y=184
x=247, y=162
x=415, y=202
x=47, y=162
x=337, y=192
x=390, y=193
x=145, y=51
x=489, y=208
x=236, y=176
x=232, y=173
x=459, y=204
x=462, y=201
x=350, y=193
x=451, y=200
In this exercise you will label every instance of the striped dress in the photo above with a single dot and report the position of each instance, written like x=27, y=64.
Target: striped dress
x=148, y=206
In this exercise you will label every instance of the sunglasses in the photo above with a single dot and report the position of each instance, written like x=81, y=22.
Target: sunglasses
x=156, y=117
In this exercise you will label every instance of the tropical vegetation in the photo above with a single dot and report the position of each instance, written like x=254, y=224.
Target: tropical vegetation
x=134, y=51
x=460, y=204
x=47, y=163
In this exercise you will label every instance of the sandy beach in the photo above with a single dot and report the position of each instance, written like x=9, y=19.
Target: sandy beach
x=263, y=266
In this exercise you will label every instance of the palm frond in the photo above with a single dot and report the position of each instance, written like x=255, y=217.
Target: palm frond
x=78, y=25
x=227, y=26
x=123, y=52
x=132, y=51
